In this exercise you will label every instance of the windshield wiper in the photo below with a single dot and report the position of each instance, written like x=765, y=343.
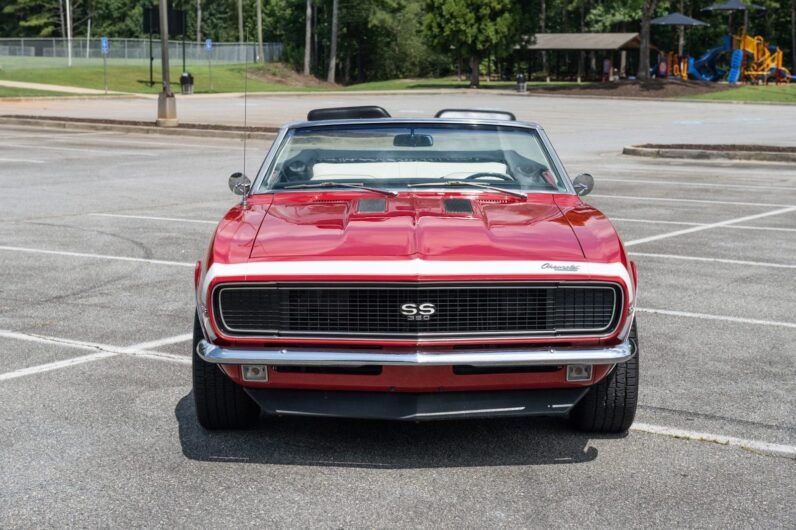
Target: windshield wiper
x=513, y=193
x=329, y=184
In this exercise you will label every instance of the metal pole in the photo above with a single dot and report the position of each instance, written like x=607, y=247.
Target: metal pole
x=88, y=37
x=151, y=57
x=167, y=104
x=69, y=33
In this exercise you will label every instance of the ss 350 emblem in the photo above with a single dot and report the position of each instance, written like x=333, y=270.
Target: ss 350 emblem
x=418, y=311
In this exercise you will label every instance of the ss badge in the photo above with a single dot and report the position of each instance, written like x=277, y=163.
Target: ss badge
x=418, y=311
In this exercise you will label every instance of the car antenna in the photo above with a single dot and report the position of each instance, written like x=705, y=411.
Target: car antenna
x=245, y=114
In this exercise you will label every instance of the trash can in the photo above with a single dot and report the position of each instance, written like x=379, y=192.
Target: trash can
x=522, y=84
x=186, y=83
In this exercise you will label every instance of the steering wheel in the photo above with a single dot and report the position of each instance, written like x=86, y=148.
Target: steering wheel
x=489, y=174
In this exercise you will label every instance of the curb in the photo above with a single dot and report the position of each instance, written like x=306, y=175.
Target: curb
x=703, y=154
x=198, y=131
x=71, y=97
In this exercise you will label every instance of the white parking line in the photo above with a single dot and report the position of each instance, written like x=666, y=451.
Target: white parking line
x=22, y=372
x=104, y=351
x=57, y=341
x=697, y=201
x=715, y=260
x=162, y=342
x=708, y=226
x=97, y=256
x=723, y=318
x=766, y=448
x=152, y=218
x=22, y=160
x=165, y=144
x=110, y=152
x=139, y=350
x=683, y=223
x=712, y=185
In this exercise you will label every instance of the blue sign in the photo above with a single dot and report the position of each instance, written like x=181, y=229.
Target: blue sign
x=104, y=45
x=208, y=44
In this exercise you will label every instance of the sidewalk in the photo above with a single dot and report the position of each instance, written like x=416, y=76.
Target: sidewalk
x=54, y=88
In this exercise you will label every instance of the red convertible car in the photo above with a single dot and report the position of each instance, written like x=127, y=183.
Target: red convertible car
x=414, y=269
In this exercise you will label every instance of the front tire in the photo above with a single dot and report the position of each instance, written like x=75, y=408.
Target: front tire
x=220, y=403
x=610, y=405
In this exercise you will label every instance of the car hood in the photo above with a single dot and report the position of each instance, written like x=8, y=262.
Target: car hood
x=426, y=225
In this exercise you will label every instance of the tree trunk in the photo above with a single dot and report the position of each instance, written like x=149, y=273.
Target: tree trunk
x=644, y=48
x=198, y=23
x=308, y=38
x=260, y=49
x=241, y=36
x=542, y=20
x=63, y=22
x=475, y=70
x=333, y=45
x=681, y=34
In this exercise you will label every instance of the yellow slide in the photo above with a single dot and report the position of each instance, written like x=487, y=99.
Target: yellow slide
x=762, y=59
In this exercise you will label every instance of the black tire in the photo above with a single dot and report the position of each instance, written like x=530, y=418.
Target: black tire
x=220, y=403
x=610, y=405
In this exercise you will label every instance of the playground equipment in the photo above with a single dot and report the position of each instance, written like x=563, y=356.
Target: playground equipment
x=704, y=68
x=751, y=59
x=762, y=60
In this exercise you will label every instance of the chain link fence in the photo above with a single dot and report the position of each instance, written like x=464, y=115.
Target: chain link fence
x=47, y=53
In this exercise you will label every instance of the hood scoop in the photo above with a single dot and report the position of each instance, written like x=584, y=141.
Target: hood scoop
x=372, y=206
x=458, y=205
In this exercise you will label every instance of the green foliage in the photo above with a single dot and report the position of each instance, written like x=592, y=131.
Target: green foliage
x=470, y=27
x=385, y=39
x=34, y=18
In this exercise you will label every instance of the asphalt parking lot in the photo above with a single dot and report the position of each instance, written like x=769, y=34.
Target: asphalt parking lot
x=98, y=239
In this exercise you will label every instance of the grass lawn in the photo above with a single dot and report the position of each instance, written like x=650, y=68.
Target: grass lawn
x=7, y=92
x=124, y=78
x=225, y=78
x=752, y=93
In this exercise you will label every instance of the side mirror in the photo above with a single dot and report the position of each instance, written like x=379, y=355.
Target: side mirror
x=239, y=184
x=583, y=184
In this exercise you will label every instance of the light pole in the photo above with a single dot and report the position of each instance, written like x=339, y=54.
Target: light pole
x=68, y=33
x=167, y=104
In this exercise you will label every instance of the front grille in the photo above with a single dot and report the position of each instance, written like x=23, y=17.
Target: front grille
x=381, y=311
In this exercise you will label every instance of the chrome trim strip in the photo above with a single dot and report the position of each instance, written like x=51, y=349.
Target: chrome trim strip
x=481, y=357
x=558, y=333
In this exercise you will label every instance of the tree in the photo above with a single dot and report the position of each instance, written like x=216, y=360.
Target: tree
x=241, y=35
x=35, y=18
x=542, y=20
x=793, y=35
x=260, y=49
x=198, y=22
x=472, y=27
x=308, y=38
x=333, y=46
x=647, y=9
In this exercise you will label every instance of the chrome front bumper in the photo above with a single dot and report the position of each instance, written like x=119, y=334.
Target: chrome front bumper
x=480, y=357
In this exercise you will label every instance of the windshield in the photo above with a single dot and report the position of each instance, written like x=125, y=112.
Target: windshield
x=404, y=156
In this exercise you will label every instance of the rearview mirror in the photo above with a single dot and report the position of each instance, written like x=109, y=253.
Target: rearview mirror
x=583, y=184
x=413, y=140
x=239, y=184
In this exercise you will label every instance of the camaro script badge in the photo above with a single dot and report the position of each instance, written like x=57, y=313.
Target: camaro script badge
x=561, y=268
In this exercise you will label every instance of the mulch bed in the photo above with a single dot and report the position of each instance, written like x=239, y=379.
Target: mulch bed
x=652, y=88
